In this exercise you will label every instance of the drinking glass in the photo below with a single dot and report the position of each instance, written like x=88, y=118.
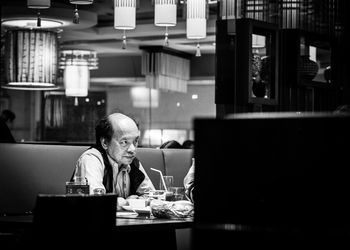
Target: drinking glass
x=178, y=193
x=168, y=180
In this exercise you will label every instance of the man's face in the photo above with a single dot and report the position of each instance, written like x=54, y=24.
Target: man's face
x=122, y=147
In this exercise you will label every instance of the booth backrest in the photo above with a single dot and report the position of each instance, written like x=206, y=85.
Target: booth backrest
x=177, y=163
x=152, y=158
x=29, y=169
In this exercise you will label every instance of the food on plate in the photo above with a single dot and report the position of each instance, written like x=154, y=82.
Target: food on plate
x=172, y=209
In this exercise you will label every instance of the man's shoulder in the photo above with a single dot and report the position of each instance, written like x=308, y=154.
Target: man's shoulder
x=91, y=152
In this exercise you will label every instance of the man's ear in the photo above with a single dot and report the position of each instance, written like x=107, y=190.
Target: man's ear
x=104, y=143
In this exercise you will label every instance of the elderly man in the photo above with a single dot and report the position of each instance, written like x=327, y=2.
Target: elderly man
x=111, y=164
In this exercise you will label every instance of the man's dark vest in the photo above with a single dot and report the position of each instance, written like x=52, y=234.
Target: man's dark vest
x=135, y=174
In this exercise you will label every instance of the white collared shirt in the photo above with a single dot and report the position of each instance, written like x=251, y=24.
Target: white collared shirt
x=92, y=162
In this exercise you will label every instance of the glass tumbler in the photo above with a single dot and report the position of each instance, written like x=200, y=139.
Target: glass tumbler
x=168, y=181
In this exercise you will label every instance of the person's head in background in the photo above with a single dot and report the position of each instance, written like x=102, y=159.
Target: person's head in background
x=171, y=144
x=8, y=117
x=118, y=135
x=189, y=144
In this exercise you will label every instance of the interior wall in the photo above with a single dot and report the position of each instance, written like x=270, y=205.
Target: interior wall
x=118, y=66
x=25, y=105
x=130, y=66
x=168, y=115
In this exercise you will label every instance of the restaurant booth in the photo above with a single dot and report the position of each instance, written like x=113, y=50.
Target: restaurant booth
x=262, y=108
x=32, y=171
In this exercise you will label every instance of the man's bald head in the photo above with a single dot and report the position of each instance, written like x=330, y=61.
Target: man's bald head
x=113, y=123
x=122, y=124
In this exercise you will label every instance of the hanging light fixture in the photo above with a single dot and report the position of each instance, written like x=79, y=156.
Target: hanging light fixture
x=38, y=4
x=196, y=21
x=78, y=2
x=165, y=68
x=77, y=65
x=124, y=16
x=165, y=15
x=23, y=17
x=31, y=59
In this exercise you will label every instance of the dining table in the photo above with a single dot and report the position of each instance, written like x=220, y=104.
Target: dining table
x=143, y=231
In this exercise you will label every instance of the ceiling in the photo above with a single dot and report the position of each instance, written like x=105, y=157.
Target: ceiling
x=95, y=30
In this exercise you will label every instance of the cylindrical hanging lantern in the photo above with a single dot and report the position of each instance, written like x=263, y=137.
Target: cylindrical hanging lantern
x=31, y=59
x=124, y=14
x=165, y=15
x=165, y=12
x=76, y=80
x=38, y=4
x=77, y=64
x=196, y=22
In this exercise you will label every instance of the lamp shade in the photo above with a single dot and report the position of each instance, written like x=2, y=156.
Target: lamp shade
x=79, y=57
x=196, y=22
x=31, y=59
x=76, y=80
x=38, y=4
x=124, y=14
x=77, y=64
x=165, y=68
x=165, y=12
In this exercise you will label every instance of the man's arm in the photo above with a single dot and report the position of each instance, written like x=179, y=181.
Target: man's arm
x=189, y=183
x=146, y=185
x=94, y=170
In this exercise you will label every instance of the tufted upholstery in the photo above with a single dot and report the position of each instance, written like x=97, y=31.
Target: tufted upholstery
x=29, y=169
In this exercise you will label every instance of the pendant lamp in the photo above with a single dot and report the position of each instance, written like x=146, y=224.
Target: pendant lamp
x=31, y=59
x=165, y=68
x=76, y=80
x=165, y=15
x=79, y=2
x=77, y=65
x=38, y=4
x=196, y=21
x=124, y=16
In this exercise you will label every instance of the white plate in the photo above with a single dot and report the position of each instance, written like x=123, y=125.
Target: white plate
x=127, y=214
x=145, y=210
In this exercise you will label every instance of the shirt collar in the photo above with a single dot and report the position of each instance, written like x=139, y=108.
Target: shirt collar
x=115, y=165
